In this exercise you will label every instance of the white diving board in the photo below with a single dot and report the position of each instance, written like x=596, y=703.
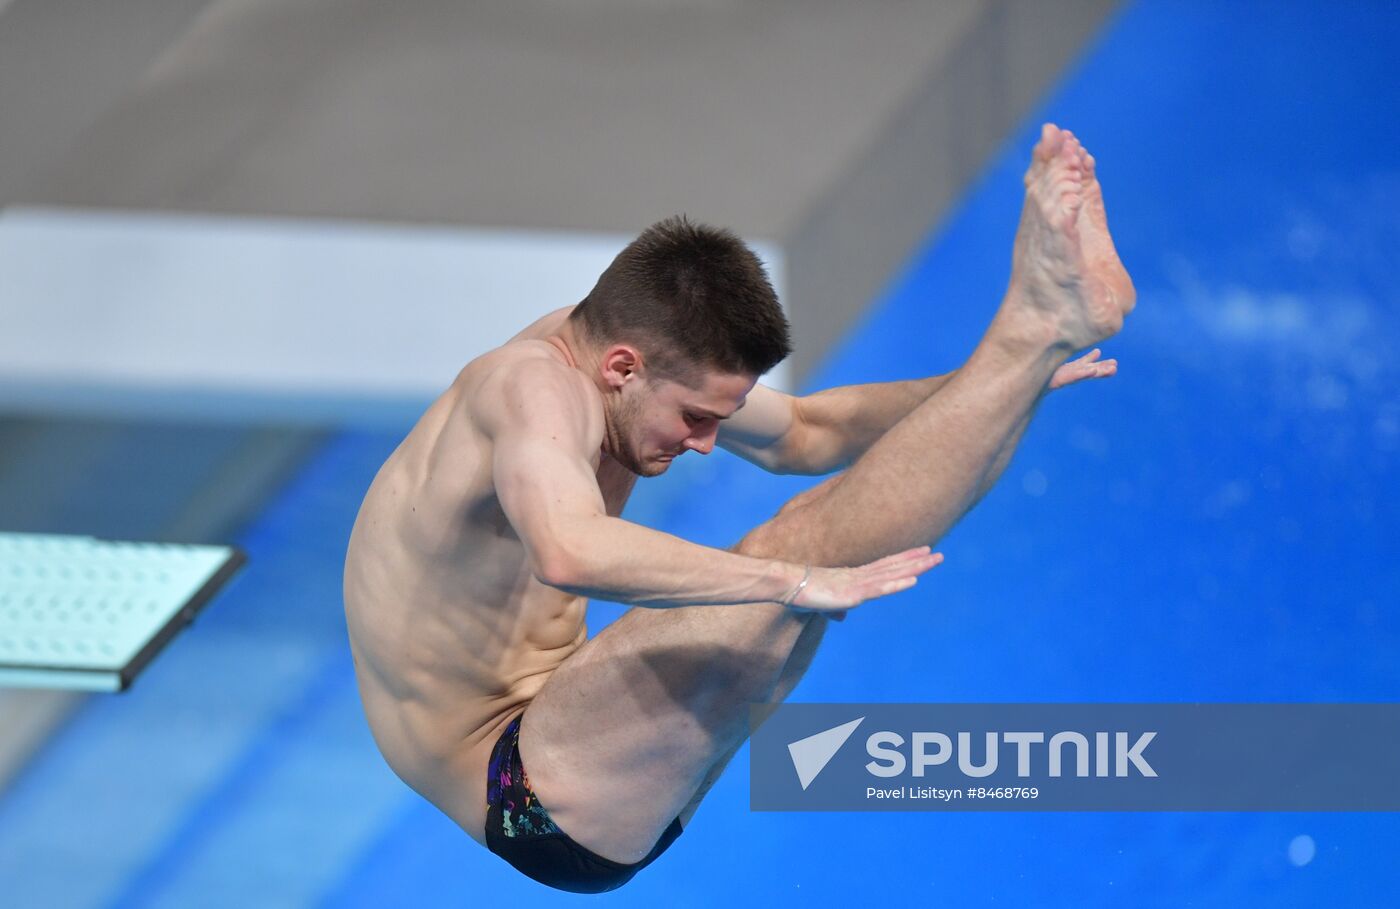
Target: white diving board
x=88, y=614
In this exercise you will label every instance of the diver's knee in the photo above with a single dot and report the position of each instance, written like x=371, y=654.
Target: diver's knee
x=811, y=496
x=763, y=542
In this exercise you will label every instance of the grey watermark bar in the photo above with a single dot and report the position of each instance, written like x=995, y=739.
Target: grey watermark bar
x=1075, y=757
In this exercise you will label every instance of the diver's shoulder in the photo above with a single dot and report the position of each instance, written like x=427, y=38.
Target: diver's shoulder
x=514, y=359
x=532, y=363
x=529, y=380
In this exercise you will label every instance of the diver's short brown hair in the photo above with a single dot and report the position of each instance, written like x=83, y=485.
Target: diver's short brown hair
x=687, y=296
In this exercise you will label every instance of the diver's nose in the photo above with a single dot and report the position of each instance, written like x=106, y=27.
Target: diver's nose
x=703, y=444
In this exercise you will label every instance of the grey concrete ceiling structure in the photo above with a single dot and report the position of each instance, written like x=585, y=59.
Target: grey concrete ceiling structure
x=839, y=130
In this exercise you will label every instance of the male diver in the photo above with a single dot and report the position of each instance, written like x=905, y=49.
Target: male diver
x=485, y=533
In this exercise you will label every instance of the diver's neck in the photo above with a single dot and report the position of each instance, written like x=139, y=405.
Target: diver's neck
x=577, y=354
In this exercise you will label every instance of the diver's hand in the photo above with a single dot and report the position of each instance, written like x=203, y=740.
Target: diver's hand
x=1088, y=366
x=838, y=589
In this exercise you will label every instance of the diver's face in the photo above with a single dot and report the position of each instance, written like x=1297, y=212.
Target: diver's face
x=661, y=420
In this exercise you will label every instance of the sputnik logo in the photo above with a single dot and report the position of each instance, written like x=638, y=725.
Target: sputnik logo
x=812, y=754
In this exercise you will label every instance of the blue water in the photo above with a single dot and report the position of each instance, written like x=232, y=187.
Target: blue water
x=1218, y=522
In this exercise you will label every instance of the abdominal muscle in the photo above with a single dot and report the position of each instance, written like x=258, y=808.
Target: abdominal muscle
x=450, y=632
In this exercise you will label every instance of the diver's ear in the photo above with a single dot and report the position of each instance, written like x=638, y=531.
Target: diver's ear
x=622, y=363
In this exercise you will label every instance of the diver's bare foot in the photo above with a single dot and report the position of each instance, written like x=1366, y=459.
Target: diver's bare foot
x=1064, y=266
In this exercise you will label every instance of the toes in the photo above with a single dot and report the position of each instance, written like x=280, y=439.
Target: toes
x=1051, y=138
x=1060, y=193
x=1055, y=141
x=1064, y=201
x=1056, y=145
x=1060, y=175
x=1070, y=148
x=1067, y=181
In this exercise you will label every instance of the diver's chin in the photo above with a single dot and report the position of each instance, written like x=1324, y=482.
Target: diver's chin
x=643, y=466
x=658, y=465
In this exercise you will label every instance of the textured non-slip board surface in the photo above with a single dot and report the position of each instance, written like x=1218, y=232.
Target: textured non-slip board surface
x=78, y=612
x=152, y=478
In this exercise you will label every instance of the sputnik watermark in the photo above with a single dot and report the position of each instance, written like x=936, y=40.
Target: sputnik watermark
x=1191, y=757
x=934, y=749
x=889, y=760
